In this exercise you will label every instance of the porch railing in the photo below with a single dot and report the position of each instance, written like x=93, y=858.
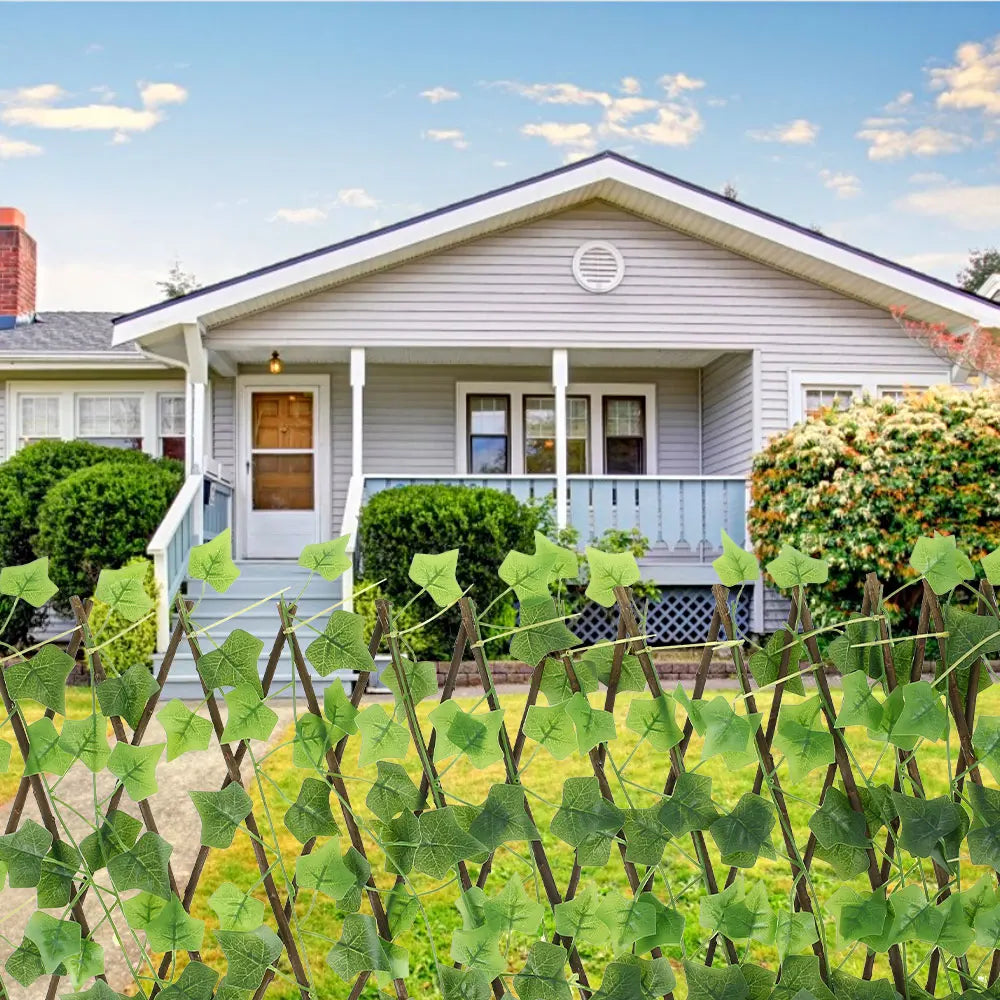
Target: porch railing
x=201, y=510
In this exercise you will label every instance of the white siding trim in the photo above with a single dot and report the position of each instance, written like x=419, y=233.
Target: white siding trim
x=868, y=382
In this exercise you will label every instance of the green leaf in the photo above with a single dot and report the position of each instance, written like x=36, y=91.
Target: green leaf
x=234, y=663
x=400, y=838
x=135, y=768
x=222, y=813
x=847, y=987
x=586, y=821
x=340, y=712
x=795, y=569
x=735, y=565
x=986, y=743
x=645, y=836
x=313, y=739
x=126, y=695
x=634, y=978
x=56, y=940
x=939, y=560
x=859, y=706
x=196, y=982
x=436, y=575
x=85, y=964
x=543, y=976
x=915, y=918
x=478, y=949
x=463, y=984
x=503, y=818
x=186, y=730
x=329, y=559
x=116, y=834
x=143, y=866
x=835, y=822
x=421, y=678
x=724, y=731
x=443, y=843
x=690, y=807
x=725, y=912
x=341, y=646
x=926, y=822
x=87, y=740
x=512, y=909
x=577, y=919
x=100, y=990
x=668, y=928
x=25, y=963
x=607, y=571
x=359, y=949
x=392, y=792
x=248, y=956
x=593, y=725
x=44, y=751
x=124, y=592
x=541, y=631
x=984, y=837
x=174, y=929
x=565, y=562
x=765, y=663
x=551, y=728
x=380, y=736
x=528, y=576
x=141, y=909
x=236, y=910
x=59, y=868
x=707, y=983
x=745, y=833
x=41, y=679
x=555, y=684
x=801, y=973
x=5, y=752
x=213, y=562
x=923, y=713
x=627, y=920
x=23, y=852
x=29, y=582
x=856, y=649
x=325, y=871
x=247, y=717
x=863, y=916
x=956, y=936
x=309, y=815
x=991, y=566
x=805, y=745
x=969, y=637
x=600, y=660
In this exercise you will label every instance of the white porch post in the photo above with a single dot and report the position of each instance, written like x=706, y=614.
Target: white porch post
x=560, y=380
x=197, y=394
x=357, y=410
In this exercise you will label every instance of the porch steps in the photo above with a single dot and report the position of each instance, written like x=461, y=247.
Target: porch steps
x=258, y=579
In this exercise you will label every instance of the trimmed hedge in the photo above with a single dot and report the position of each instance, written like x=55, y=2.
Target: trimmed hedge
x=856, y=486
x=102, y=517
x=484, y=523
x=133, y=643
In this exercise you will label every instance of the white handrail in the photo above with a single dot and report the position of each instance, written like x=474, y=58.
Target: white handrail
x=349, y=526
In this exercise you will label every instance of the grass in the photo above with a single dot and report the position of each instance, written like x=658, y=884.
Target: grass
x=643, y=779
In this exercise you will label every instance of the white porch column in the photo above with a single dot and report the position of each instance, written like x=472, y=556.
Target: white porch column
x=197, y=396
x=357, y=411
x=560, y=380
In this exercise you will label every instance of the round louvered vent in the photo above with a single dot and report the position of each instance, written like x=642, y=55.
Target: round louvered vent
x=598, y=266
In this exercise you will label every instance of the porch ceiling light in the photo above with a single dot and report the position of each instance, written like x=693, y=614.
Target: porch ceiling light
x=276, y=366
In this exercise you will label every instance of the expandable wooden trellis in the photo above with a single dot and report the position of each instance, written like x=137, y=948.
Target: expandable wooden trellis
x=630, y=639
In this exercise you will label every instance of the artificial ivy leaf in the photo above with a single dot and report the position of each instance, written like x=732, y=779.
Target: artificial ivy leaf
x=667, y=930
x=325, y=871
x=55, y=939
x=987, y=927
x=463, y=984
x=116, y=834
x=45, y=754
x=939, y=560
x=23, y=852
x=991, y=566
x=835, y=822
x=805, y=746
x=313, y=740
x=980, y=896
x=143, y=866
x=725, y=912
x=801, y=973
x=915, y=918
x=984, y=837
x=541, y=631
x=793, y=932
x=600, y=659
x=222, y=813
x=792, y=568
x=443, y=843
x=126, y=695
x=392, y=792
x=527, y=576
x=745, y=833
x=861, y=916
x=142, y=909
x=565, y=562
x=340, y=712
x=477, y=948
x=543, y=976
x=41, y=679
x=5, y=752
x=555, y=684
x=25, y=963
x=87, y=740
x=186, y=730
x=174, y=929
x=458, y=732
x=955, y=936
x=436, y=575
x=926, y=822
x=577, y=919
x=607, y=571
x=923, y=713
x=401, y=909
x=634, y=978
x=690, y=807
x=552, y=728
x=350, y=902
x=859, y=707
x=765, y=663
x=969, y=637
x=59, y=868
x=236, y=910
x=512, y=909
x=99, y=990
x=857, y=649
x=329, y=559
x=503, y=818
x=341, y=646
x=707, y=983
x=986, y=743
x=587, y=821
x=400, y=837
x=593, y=725
x=309, y=815
x=848, y=987
x=627, y=920
x=248, y=956
x=247, y=717
x=124, y=592
x=359, y=949
x=196, y=982
x=735, y=565
x=29, y=582
x=421, y=678
x=380, y=736
x=233, y=663
x=135, y=768
x=723, y=730
x=645, y=836
x=213, y=562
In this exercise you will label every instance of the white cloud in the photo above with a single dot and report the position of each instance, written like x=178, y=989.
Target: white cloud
x=676, y=84
x=556, y=93
x=14, y=149
x=973, y=82
x=630, y=85
x=453, y=135
x=500, y=163
x=927, y=177
x=356, y=198
x=299, y=216
x=104, y=92
x=155, y=95
x=843, y=185
x=438, y=94
x=675, y=125
x=884, y=121
x=41, y=93
x=974, y=207
x=900, y=102
x=894, y=144
x=798, y=132
x=578, y=137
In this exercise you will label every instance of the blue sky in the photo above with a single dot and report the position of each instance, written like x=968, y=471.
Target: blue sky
x=231, y=135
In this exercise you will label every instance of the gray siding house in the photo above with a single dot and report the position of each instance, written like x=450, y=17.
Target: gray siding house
x=604, y=333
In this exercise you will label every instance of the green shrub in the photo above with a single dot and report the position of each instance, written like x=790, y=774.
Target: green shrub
x=138, y=643
x=416, y=643
x=485, y=524
x=102, y=517
x=25, y=479
x=857, y=486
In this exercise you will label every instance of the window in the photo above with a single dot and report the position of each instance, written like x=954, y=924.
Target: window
x=489, y=434
x=625, y=435
x=39, y=418
x=540, y=432
x=113, y=420
x=809, y=391
x=820, y=398
x=170, y=420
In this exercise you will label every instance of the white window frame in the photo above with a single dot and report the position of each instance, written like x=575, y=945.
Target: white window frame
x=68, y=391
x=867, y=382
x=16, y=417
x=518, y=390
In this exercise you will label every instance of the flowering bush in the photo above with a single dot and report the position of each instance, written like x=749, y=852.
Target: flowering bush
x=855, y=485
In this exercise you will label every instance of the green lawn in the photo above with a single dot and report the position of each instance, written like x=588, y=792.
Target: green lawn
x=644, y=778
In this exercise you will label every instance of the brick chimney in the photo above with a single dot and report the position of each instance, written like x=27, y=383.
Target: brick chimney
x=17, y=270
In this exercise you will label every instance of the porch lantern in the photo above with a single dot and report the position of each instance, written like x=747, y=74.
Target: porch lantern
x=276, y=366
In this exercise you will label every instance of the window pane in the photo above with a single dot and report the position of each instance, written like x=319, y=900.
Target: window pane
x=540, y=456
x=109, y=416
x=623, y=418
x=39, y=417
x=896, y=393
x=576, y=456
x=839, y=397
x=488, y=455
x=577, y=417
x=488, y=415
x=283, y=482
x=540, y=432
x=539, y=416
x=624, y=457
x=172, y=447
x=171, y=415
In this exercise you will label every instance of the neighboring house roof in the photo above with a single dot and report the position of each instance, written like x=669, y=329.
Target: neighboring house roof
x=990, y=288
x=632, y=186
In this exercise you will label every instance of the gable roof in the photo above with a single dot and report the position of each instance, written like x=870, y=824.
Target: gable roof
x=607, y=176
x=67, y=338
